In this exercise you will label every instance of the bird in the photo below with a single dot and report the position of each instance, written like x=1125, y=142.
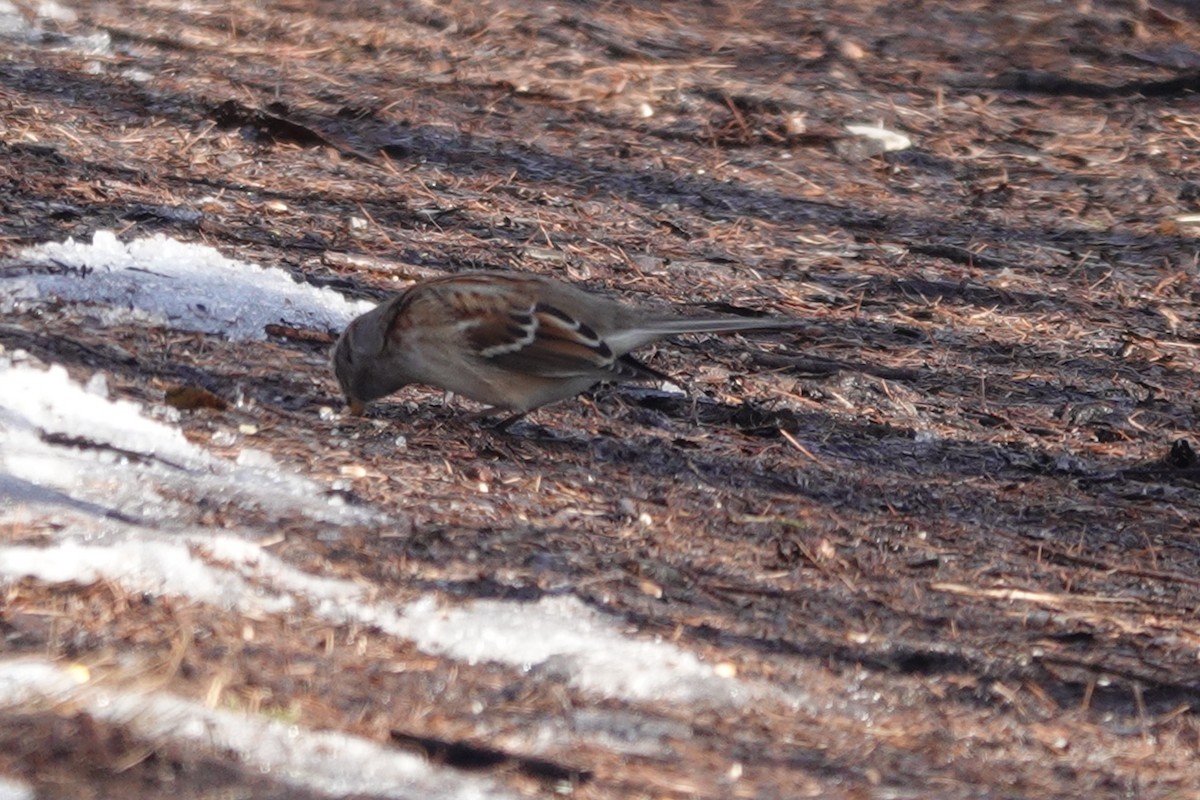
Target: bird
x=512, y=341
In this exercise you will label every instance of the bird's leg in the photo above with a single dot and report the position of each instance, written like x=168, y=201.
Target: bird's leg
x=503, y=425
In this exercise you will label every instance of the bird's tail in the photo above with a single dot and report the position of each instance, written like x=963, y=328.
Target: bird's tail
x=655, y=329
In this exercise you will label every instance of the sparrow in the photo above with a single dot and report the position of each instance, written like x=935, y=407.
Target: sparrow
x=512, y=341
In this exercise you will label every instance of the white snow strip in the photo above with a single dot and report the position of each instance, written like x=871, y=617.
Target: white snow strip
x=334, y=764
x=12, y=789
x=563, y=636
x=559, y=635
x=48, y=400
x=253, y=582
x=182, y=285
x=66, y=449
x=15, y=25
x=12, y=24
x=142, y=566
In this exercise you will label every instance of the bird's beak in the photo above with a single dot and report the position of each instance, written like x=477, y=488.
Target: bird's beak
x=357, y=407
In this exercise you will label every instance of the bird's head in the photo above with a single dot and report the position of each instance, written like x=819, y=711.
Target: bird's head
x=359, y=359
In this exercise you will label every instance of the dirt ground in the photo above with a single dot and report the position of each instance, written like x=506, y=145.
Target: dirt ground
x=961, y=501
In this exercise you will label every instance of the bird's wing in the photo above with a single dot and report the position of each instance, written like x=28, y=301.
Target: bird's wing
x=539, y=339
x=505, y=322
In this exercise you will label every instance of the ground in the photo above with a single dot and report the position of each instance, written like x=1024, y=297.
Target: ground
x=952, y=518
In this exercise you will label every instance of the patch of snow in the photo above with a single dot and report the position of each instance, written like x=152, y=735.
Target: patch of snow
x=48, y=401
x=556, y=636
x=23, y=26
x=12, y=789
x=12, y=24
x=187, y=286
x=49, y=9
x=68, y=450
x=334, y=764
x=145, y=566
x=562, y=636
